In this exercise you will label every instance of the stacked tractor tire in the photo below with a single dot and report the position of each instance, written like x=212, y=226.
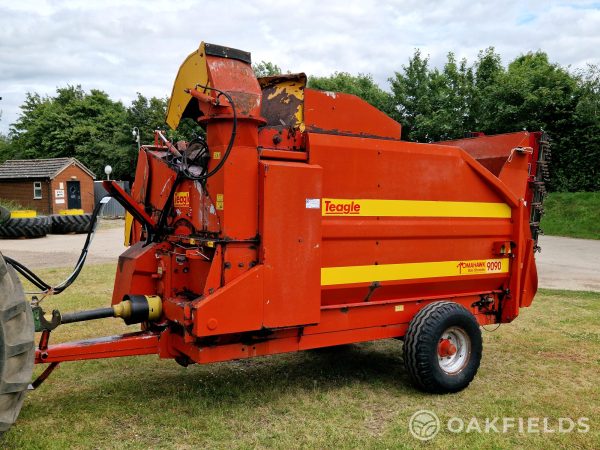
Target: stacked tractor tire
x=70, y=223
x=27, y=224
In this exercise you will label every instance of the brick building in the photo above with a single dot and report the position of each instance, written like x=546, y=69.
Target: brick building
x=48, y=185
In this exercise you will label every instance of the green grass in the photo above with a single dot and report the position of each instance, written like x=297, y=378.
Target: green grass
x=545, y=364
x=572, y=214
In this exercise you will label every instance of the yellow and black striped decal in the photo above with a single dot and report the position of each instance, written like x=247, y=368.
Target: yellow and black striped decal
x=337, y=207
x=331, y=276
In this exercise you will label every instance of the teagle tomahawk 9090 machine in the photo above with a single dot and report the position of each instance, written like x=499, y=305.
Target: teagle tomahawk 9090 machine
x=300, y=221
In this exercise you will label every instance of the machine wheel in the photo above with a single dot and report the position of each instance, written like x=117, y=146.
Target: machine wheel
x=31, y=227
x=442, y=349
x=4, y=214
x=17, y=347
x=71, y=223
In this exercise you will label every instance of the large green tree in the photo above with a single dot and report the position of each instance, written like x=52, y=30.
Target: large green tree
x=411, y=90
x=5, y=147
x=487, y=70
x=577, y=165
x=89, y=126
x=531, y=93
x=146, y=114
x=535, y=94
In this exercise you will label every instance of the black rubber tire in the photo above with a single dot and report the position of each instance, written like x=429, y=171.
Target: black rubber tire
x=17, y=347
x=32, y=227
x=76, y=223
x=4, y=214
x=421, y=347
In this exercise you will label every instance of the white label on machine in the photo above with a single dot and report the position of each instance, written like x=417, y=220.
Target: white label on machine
x=313, y=203
x=59, y=201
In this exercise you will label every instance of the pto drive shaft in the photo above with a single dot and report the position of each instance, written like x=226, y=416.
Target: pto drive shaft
x=133, y=309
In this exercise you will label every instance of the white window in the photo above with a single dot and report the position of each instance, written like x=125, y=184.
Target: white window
x=37, y=190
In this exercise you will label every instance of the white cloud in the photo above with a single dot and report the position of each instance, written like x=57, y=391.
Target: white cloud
x=124, y=47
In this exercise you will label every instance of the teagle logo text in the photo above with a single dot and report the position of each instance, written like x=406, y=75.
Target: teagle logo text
x=341, y=209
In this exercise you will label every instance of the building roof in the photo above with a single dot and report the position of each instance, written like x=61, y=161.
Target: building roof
x=38, y=168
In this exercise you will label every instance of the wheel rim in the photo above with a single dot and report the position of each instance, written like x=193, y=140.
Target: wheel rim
x=454, y=350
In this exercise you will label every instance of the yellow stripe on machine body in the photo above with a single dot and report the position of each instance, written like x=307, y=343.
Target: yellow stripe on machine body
x=411, y=271
x=335, y=207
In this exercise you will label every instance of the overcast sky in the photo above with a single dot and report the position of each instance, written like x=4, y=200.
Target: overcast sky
x=124, y=47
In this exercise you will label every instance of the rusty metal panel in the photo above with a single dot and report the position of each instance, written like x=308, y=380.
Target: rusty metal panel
x=283, y=100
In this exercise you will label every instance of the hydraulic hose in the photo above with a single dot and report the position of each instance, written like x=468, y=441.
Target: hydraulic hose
x=184, y=167
x=231, y=138
x=46, y=288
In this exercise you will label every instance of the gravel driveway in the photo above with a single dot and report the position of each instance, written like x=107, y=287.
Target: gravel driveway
x=60, y=250
x=564, y=263
x=567, y=263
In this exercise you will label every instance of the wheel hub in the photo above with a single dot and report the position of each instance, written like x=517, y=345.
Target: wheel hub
x=454, y=350
x=446, y=348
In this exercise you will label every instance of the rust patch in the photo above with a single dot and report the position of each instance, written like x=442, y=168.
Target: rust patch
x=283, y=100
x=245, y=102
x=266, y=82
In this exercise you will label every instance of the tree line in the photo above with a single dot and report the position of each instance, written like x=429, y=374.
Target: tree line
x=431, y=103
x=90, y=126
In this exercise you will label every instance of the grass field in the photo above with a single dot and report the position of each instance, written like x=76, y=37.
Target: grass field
x=572, y=214
x=545, y=364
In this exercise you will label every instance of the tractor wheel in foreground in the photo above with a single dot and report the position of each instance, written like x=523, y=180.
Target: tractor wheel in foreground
x=71, y=223
x=17, y=347
x=442, y=349
x=31, y=227
x=4, y=214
